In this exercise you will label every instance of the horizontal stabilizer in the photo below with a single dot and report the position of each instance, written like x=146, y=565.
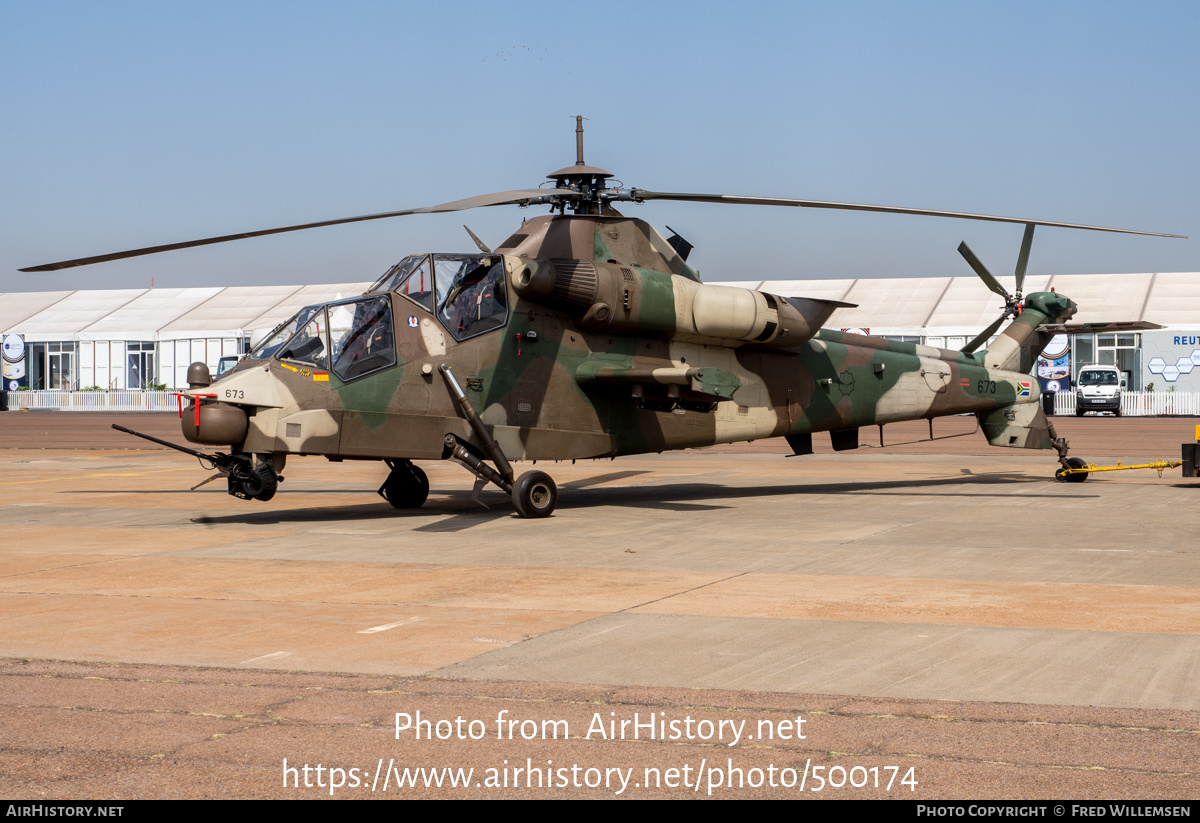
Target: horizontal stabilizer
x=1100, y=328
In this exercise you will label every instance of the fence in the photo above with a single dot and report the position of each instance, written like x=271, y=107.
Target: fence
x=1142, y=403
x=85, y=401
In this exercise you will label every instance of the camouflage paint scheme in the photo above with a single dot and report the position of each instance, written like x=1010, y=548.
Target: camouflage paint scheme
x=649, y=359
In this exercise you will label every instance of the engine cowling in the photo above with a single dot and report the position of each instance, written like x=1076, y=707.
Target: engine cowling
x=615, y=298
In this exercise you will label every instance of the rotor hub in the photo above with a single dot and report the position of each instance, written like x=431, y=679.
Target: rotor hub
x=585, y=179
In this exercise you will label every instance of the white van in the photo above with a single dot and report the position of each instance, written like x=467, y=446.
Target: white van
x=1098, y=388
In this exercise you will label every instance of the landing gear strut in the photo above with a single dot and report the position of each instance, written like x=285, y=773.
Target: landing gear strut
x=406, y=487
x=1070, y=466
x=533, y=493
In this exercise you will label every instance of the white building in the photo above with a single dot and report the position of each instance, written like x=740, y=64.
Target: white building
x=135, y=338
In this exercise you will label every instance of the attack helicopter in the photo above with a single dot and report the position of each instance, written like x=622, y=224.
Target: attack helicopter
x=585, y=334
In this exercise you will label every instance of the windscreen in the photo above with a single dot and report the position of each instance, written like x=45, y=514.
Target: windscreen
x=309, y=344
x=1097, y=378
x=283, y=333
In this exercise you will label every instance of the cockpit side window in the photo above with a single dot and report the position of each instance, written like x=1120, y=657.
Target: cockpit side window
x=309, y=344
x=364, y=339
x=283, y=333
x=471, y=293
x=412, y=278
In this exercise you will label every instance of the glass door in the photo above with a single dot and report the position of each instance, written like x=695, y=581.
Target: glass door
x=139, y=371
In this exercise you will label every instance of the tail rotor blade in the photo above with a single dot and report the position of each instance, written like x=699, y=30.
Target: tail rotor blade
x=983, y=336
x=1023, y=257
x=980, y=269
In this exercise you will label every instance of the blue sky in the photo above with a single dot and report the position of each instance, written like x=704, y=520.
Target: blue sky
x=129, y=124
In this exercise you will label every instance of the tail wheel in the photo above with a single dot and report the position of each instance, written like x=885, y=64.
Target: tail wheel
x=1073, y=477
x=406, y=487
x=534, y=494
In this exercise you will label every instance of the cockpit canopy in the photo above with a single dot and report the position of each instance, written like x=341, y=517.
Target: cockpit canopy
x=467, y=292
x=352, y=338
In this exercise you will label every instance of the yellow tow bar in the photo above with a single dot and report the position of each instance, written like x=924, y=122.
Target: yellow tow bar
x=1075, y=470
x=1088, y=468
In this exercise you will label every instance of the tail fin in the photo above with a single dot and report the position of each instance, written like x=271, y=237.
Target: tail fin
x=1018, y=346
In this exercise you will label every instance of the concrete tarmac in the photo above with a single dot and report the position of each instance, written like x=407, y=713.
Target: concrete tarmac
x=944, y=611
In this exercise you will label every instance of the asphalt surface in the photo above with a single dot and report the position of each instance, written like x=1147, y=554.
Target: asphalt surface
x=942, y=616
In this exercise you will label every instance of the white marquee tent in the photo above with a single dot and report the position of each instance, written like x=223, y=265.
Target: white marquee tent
x=119, y=338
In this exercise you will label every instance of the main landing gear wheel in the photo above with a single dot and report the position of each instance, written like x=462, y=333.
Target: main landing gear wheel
x=534, y=494
x=406, y=487
x=1073, y=477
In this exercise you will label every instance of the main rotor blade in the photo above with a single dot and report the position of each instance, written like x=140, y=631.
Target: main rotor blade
x=642, y=194
x=980, y=269
x=983, y=336
x=1023, y=257
x=502, y=198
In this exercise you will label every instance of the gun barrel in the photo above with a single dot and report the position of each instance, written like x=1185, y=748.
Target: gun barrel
x=212, y=458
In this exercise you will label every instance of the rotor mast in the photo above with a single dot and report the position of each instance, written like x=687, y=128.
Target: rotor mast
x=587, y=180
x=579, y=140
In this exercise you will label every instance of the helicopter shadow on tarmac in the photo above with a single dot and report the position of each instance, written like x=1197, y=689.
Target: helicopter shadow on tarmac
x=462, y=512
